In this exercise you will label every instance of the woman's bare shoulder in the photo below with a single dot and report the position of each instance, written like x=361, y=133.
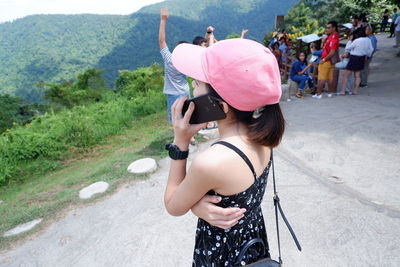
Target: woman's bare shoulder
x=211, y=161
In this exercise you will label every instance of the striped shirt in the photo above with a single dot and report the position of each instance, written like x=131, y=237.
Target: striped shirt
x=174, y=82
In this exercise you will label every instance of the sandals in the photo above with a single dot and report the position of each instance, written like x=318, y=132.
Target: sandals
x=299, y=95
x=341, y=94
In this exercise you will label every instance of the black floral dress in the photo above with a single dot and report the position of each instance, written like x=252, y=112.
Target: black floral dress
x=218, y=247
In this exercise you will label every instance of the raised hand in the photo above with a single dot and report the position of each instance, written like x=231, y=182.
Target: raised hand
x=210, y=29
x=244, y=31
x=164, y=13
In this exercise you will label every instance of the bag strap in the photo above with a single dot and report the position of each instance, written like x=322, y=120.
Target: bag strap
x=278, y=207
x=247, y=246
x=240, y=153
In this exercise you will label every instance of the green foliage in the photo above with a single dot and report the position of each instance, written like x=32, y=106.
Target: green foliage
x=299, y=22
x=14, y=111
x=142, y=80
x=232, y=35
x=54, y=48
x=323, y=11
x=88, y=88
x=40, y=145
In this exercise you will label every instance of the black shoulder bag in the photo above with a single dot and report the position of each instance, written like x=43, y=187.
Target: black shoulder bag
x=268, y=262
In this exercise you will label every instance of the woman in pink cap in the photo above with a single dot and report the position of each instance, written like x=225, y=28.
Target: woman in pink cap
x=244, y=76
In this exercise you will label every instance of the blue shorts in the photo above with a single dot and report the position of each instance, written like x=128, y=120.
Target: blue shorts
x=170, y=101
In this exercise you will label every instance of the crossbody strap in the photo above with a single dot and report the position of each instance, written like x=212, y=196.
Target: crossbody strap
x=278, y=207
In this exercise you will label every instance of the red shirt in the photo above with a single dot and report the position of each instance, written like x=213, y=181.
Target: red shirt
x=331, y=44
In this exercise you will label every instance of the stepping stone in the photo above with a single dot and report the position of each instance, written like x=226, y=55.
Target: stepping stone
x=142, y=166
x=1, y=201
x=96, y=188
x=23, y=228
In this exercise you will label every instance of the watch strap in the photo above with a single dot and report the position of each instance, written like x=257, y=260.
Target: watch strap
x=175, y=153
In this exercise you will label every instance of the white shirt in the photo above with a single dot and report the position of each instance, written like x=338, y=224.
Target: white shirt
x=361, y=47
x=174, y=82
x=398, y=24
x=347, y=48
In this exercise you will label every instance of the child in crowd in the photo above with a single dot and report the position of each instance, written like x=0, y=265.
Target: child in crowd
x=300, y=73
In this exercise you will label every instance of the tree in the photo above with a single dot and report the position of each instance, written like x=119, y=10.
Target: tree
x=14, y=111
x=88, y=87
x=140, y=81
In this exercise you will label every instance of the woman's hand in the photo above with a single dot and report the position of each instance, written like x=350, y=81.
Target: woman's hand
x=183, y=130
x=220, y=217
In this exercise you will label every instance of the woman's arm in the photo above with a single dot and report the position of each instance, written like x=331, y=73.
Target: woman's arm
x=244, y=31
x=184, y=190
x=305, y=69
x=220, y=217
x=161, y=33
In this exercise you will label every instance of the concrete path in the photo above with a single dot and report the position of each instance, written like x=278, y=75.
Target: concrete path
x=338, y=172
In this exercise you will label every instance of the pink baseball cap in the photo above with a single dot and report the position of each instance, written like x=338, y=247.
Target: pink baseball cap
x=243, y=72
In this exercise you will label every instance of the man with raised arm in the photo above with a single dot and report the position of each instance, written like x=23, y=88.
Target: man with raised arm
x=175, y=84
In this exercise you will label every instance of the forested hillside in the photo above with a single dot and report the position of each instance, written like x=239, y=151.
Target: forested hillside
x=53, y=48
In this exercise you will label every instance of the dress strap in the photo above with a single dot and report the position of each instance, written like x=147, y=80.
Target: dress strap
x=241, y=154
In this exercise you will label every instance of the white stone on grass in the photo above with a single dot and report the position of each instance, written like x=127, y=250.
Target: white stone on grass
x=96, y=188
x=1, y=201
x=23, y=228
x=142, y=166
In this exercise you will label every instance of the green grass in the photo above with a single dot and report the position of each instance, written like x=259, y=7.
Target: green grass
x=47, y=195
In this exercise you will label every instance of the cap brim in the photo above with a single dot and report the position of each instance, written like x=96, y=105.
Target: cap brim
x=187, y=59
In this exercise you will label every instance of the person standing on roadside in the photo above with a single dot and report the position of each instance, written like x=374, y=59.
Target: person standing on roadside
x=385, y=20
x=235, y=168
x=360, y=49
x=393, y=24
x=369, y=32
x=397, y=32
x=326, y=66
x=175, y=84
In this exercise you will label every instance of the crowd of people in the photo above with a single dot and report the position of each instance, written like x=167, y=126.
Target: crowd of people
x=324, y=63
x=318, y=69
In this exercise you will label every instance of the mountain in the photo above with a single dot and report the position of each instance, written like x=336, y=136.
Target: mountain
x=57, y=47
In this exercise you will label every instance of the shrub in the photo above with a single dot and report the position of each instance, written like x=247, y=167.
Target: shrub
x=41, y=144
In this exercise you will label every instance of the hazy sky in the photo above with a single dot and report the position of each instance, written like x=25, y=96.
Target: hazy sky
x=13, y=9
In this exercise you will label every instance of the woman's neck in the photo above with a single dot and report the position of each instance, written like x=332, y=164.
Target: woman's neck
x=228, y=128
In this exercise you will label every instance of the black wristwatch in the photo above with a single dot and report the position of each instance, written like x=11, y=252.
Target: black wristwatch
x=175, y=153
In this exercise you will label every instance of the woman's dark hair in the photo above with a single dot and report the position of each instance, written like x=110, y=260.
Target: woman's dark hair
x=386, y=11
x=305, y=57
x=276, y=44
x=198, y=40
x=363, y=17
x=267, y=129
x=358, y=34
